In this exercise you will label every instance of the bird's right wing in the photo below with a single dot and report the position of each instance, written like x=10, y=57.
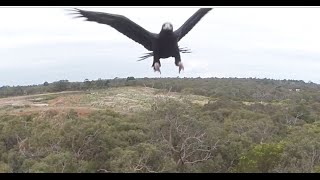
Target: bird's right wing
x=191, y=22
x=121, y=24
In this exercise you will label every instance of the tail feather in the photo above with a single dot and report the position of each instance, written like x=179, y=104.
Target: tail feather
x=150, y=54
x=147, y=55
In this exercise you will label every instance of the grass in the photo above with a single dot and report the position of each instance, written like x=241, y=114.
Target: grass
x=132, y=99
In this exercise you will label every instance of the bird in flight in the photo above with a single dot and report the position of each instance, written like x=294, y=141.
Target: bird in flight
x=162, y=45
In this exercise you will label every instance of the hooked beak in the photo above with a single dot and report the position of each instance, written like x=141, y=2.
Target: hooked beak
x=167, y=26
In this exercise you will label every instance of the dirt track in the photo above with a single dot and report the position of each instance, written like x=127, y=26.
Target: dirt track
x=122, y=100
x=36, y=95
x=38, y=103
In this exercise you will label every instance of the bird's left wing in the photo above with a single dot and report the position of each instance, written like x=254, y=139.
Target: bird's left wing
x=121, y=24
x=191, y=22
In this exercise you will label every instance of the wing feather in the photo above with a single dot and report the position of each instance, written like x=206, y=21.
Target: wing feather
x=191, y=22
x=122, y=24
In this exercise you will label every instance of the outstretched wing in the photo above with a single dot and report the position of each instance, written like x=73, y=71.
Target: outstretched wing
x=121, y=24
x=191, y=22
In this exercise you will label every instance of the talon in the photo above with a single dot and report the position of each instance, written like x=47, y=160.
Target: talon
x=181, y=67
x=156, y=67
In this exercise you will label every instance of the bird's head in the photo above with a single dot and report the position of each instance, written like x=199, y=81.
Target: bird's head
x=167, y=26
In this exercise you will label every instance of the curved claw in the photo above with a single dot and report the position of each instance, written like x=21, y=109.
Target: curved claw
x=156, y=67
x=181, y=67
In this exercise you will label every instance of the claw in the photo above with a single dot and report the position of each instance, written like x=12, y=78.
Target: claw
x=181, y=67
x=156, y=67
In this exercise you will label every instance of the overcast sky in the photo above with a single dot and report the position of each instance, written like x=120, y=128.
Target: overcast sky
x=46, y=44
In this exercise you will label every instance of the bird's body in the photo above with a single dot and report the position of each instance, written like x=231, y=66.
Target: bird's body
x=162, y=45
x=166, y=45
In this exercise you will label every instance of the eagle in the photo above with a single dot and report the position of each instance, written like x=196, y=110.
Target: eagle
x=161, y=45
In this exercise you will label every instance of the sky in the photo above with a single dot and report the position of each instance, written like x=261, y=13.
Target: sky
x=39, y=44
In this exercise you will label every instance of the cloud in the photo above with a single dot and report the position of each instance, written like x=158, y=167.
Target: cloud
x=38, y=44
